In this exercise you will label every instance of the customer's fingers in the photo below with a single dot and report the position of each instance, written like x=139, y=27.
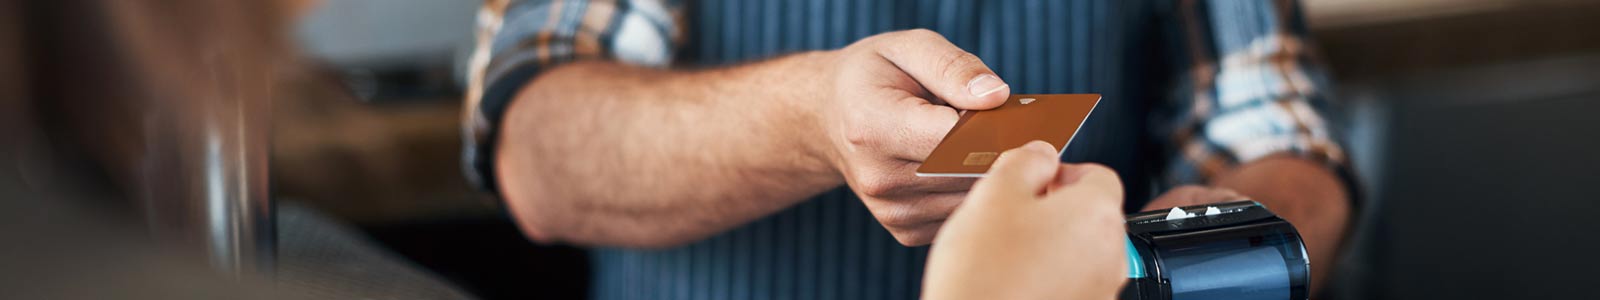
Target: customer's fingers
x=1019, y=174
x=1087, y=186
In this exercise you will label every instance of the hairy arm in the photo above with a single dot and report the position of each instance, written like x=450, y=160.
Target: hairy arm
x=605, y=153
x=587, y=148
x=601, y=153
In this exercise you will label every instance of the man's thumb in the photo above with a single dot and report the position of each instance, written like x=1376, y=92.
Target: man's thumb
x=954, y=75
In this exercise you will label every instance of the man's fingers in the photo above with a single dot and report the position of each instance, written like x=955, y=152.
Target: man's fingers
x=914, y=221
x=900, y=180
x=900, y=214
x=954, y=75
x=1192, y=195
x=1178, y=196
x=906, y=127
x=1020, y=173
x=921, y=128
x=1223, y=195
x=920, y=236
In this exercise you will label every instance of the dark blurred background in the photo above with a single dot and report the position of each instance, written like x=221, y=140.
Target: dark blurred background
x=1472, y=123
x=1474, y=128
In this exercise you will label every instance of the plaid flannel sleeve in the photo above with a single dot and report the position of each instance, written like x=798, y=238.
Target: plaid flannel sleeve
x=516, y=39
x=1250, y=90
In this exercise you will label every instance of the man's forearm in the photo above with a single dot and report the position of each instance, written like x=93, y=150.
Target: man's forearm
x=1306, y=194
x=607, y=154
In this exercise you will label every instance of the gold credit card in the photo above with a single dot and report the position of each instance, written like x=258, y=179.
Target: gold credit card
x=979, y=137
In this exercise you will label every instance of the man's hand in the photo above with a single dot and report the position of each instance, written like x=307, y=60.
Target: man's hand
x=656, y=158
x=1305, y=193
x=894, y=96
x=1188, y=195
x=1033, y=228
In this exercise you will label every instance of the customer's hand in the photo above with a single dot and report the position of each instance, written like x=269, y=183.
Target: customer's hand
x=1033, y=228
x=1188, y=195
x=893, y=97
